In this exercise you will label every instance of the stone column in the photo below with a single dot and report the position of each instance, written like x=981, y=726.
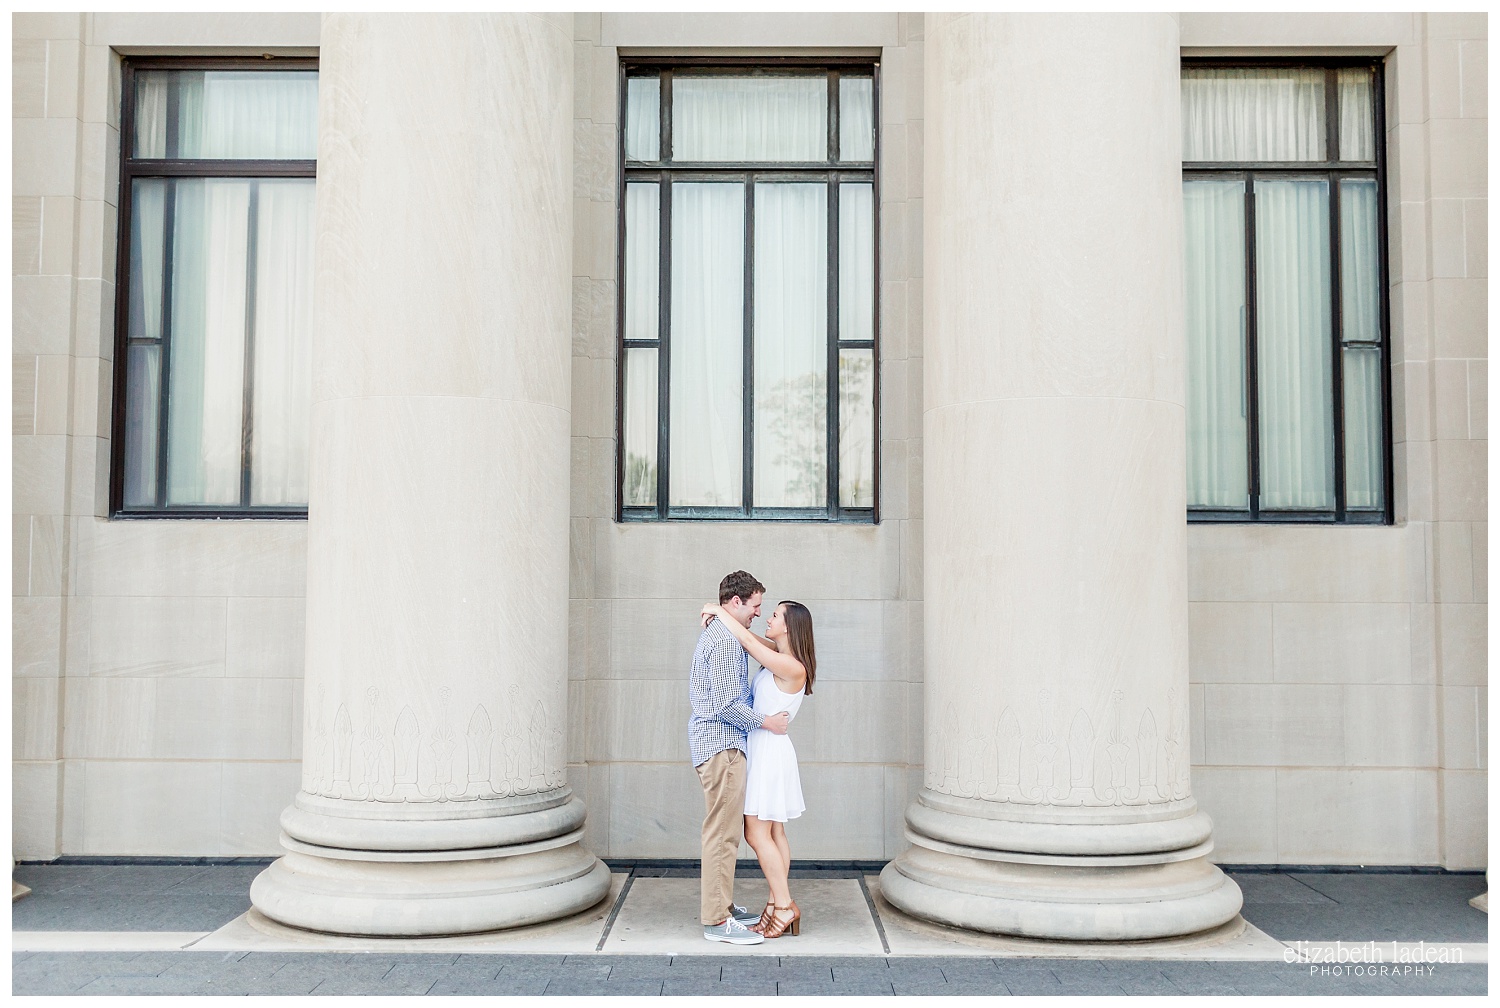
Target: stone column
x=1056, y=801
x=434, y=792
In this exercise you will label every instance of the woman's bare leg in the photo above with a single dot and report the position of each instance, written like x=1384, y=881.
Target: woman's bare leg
x=772, y=863
x=778, y=837
x=778, y=834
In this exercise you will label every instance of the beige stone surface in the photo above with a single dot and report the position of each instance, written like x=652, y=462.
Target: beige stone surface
x=1375, y=31
x=1249, y=563
x=255, y=795
x=265, y=637
x=36, y=636
x=34, y=720
x=190, y=558
x=1273, y=725
x=1390, y=726
x=437, y=544
x=727, y=32
x=1057, y=623
x=911, y=936
x=1341, y=642
x=39, y=470
x=133, y=604
x=1356, y=816
x=1242, y=804
x=660, y=917
x=1230, y=642
x=1465, y=726
x=648, y=560
x=109, y=717
x=149, y=808
x=147, y=636
x=574, y=935
x=247, y=31
x=1462, y=641
x=36, y=803
x=1464, y=798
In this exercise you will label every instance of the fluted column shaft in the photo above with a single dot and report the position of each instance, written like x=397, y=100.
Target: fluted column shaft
x=434, y=796
x=1057, y=800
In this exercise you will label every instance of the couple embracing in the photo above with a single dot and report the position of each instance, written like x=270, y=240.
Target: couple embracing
x=745, y=762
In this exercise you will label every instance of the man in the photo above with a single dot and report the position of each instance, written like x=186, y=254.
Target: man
x=719, y=689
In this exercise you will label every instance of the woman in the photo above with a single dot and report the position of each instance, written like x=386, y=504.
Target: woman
x=773, y=791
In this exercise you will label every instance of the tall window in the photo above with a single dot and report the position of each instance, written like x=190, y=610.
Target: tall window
x=1286, y=307
x=214, y=303
x=748, y=312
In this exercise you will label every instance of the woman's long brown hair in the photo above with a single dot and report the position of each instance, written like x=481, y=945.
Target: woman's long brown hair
x=800, y=636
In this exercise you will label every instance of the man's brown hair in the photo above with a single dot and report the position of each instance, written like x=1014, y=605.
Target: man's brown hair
x=739, y=585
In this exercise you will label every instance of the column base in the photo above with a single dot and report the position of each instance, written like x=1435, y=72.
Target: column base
x=427, y=893
x=1116, y=883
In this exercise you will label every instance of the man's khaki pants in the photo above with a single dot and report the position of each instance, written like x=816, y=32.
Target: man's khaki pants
x=723, y=780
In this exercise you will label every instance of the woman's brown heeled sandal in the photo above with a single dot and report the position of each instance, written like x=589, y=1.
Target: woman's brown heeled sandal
x=765, y=916
x=780, y=925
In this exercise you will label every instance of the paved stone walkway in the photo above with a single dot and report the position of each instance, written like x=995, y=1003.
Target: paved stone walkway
x=1289, y=906
x=375, y=973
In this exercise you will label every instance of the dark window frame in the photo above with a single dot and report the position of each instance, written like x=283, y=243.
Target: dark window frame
x=1333, y=170
x=664, y=171
x=132, y=168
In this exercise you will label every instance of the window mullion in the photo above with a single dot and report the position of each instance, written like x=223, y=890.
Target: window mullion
x=247, y=418
x=834, y=291
x=1331, y=113
x=664, y=340
x=664, y=151
x=747, y=378
x=1252, y=355
x=164, y=362
x=174, y=109
x=833, y=117
x=1382, y=245
x=876, y=383
x=1336, y=331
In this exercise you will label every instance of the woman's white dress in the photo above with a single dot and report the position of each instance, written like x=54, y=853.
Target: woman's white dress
x=773, y=790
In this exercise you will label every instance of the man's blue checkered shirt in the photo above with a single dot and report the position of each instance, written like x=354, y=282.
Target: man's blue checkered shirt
x=719, y=689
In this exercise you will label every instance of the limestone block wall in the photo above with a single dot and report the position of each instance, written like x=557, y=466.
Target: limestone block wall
x=635, y=588
x=1340, y=677
x=1339, y=674
x=156, y=664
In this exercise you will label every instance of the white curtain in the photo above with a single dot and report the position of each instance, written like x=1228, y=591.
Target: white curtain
x=642, y=259
x=707, y=355
x=1356, y=114
x=1360, y=259
x=205, y=411
x=151, y=113
x=856, y=261
x=282, y=348
x=1293, y=334
x=148, y=198
x=749, y=118
x=1363, y=455
x=642, y=118
x=1249, y=114
x=142, y=403
x=856, y=119
x=857, y=428
x=640, y=426
x=791, y=344
x=249, y=114
x=148, y=222
x=1218, y=461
